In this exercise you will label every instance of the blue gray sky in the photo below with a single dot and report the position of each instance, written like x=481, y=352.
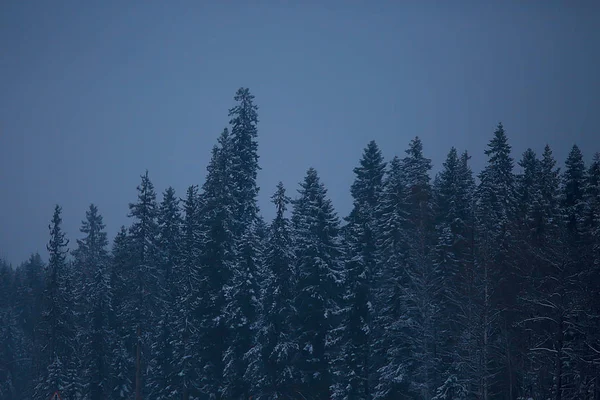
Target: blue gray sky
x=93, y=93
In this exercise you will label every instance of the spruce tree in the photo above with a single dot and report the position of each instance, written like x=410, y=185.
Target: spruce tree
x=241, y=290
x=188, y=281
x=353, y=371
x=122, y=367
x=92, y=256
x=218, y=254
x=318, y=255
x=143, y=302
x=418, y=297
x=389, y=349
x=57, y=325
x=453, y=261
x=495, y=212
x=162, y=374
x=271, y=371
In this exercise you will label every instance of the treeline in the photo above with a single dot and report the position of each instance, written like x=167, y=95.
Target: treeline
x=451, y=288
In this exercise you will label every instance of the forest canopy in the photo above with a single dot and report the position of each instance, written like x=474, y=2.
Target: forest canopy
x=453, y=286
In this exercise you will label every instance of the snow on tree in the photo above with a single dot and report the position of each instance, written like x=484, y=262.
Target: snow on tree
x=318, y=255
x=92, y=257
x=271, y=372
x=57, y=328
x=352, y=371
x=142, y=306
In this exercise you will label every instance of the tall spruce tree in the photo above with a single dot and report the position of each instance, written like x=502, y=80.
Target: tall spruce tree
x=353, y=372
x=162, y=379
x=218, y=254
x=143, y=302
x=418, y=297
x=57, y=326
x=241, y=290
x=455, y=296
x=189, y=283
x=271, y=371
x=92, y=256
x=318, y=255
x=389, y=349
x=498, y=282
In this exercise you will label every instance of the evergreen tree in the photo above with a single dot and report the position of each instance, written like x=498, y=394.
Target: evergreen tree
x=418, y=297
x=92, y=256
x=453, y=260
x=162, y=377
x=353, y=373
x=244, y=158
x=57, y=325
x=142, y=306
x=241, y=290
x=188, y=282
x=574, y=273
x=218, y=254
x=318, y=255
x=271, y=371
x=389, y=348
x=122, y=367
x=495, y=211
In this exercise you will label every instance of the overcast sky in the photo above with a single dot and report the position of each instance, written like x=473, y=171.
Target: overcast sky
x=93, y=93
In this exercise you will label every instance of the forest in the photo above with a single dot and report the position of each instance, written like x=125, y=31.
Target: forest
x=461, y=285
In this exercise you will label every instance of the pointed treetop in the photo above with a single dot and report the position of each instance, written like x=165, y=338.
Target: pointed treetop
x=415, y=148
x=498, y=146
x=58, y=243
x=244, y=115
x=280, y=200
x=529, y=161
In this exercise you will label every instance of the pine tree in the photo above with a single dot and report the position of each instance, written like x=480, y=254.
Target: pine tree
x=122, y=366
x=142, y=304
x=241, y=290
x=188, y=299
x=318, y=255
x=495, y=212
x=57, y=325
x=161, y=381
x=271, y=371
x=574, y=273
x=217, y=258
x=389, y=349
x=418, y=297
x=353, y=372
x=92, y=256
x=454, y=200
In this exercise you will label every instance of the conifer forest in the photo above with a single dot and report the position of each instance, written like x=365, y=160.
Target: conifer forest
x=463, y=285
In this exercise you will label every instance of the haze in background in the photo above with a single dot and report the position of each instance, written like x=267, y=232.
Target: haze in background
x=93, y=94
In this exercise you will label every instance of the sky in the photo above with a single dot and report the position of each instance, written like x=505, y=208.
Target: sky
x=95, y=93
